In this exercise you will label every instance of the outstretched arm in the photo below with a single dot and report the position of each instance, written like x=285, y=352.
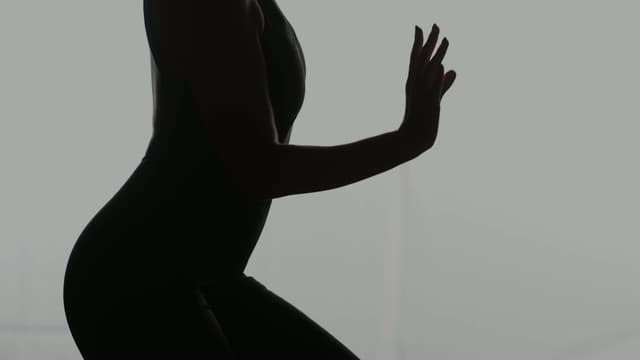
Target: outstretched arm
x=297, y=169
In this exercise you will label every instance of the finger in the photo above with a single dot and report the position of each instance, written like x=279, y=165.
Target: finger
x=415, y=52
x=427, y=50
x=417, y=43
x=449, y=78
x=442, y=50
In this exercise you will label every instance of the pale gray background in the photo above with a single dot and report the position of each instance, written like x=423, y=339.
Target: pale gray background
x=515, y=237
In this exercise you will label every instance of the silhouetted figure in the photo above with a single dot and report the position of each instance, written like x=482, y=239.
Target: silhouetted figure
x=158, y=272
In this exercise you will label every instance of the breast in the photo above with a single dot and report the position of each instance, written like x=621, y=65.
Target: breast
x=286, y=67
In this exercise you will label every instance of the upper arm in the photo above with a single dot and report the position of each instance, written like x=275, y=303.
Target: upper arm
x=215, y=45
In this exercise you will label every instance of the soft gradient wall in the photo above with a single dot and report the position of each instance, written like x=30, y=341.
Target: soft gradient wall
x=515, y=237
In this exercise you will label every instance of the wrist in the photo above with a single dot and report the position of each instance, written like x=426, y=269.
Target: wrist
x=406, y=142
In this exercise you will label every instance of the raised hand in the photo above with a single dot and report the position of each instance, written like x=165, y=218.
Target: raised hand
x=426, y=85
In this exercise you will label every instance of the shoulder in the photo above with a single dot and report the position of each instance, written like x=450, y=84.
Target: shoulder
x=228, y=13
x=178, y=29
x=209, y=13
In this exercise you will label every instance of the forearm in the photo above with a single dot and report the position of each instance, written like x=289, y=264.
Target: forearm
x=297, y=169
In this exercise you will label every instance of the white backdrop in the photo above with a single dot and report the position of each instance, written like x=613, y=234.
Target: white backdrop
x=513, y=238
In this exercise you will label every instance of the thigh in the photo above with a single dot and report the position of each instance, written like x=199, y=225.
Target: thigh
x=260, y=324
x=146, y=323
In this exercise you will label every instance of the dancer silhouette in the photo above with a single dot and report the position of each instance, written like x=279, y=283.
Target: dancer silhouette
x=158, y=272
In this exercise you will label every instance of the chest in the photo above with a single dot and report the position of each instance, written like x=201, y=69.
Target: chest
x=286, y=67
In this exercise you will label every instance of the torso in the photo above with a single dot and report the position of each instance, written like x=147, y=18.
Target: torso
x=174, y=111
x=178, y=209
x=286, y=72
